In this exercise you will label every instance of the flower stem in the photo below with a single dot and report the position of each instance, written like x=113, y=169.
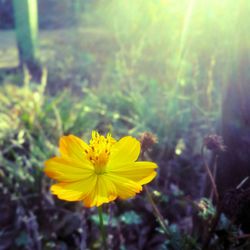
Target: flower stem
x=103, y=234
x=216, y=219
x=157, y=213
x=210, y=175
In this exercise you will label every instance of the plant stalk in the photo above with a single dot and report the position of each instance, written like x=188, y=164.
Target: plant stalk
x=157, y=213
x=216, y=219
x=210, y=175
x=102, y=230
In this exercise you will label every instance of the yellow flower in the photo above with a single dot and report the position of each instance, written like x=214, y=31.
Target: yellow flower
x=99, y=172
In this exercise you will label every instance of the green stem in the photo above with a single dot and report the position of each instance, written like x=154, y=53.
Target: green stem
x=103, y=234
x=157, y=213
x=216, y=219
x=210, y=175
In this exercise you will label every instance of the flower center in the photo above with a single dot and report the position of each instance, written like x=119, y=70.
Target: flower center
x=99, y=151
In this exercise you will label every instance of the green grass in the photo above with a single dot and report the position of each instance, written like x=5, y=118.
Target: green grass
x=131, y=67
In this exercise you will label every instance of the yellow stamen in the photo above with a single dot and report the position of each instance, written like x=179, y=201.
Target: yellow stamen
x=99, y=151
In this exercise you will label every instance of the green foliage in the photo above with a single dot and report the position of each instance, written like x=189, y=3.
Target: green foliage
x=130, y=218
x=179, y=241
x=21, y=111
x=134, y=66
x=106, y=220
x=207, y=210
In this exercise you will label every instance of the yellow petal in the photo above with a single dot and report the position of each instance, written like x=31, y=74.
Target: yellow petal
x=74, y=191
x=73, y=147
x=104, y=192
x=140, y=172
x=125, y=150
x=67, y=170
x=125, y=187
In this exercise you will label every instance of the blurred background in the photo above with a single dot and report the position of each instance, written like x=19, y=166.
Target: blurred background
x=177, y=69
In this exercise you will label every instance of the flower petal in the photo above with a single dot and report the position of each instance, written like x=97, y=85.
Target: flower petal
x=74, y=191
x=104, y=192
x=125, y=187
x=72, y=147
x=140, y=172
x=67, y=170
x=125, y=150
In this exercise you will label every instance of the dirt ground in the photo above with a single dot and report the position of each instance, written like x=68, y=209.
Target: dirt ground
x=52, y=40
x=8, y=50
x=70, y=55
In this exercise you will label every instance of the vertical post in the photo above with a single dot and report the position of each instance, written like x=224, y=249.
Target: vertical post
x=76, y=7
x=26, y=23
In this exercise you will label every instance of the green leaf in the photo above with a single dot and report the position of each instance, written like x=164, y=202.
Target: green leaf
x=130, y=218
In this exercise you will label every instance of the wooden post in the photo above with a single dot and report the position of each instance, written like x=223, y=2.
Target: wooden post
x=77, y=10
x=26, y=23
